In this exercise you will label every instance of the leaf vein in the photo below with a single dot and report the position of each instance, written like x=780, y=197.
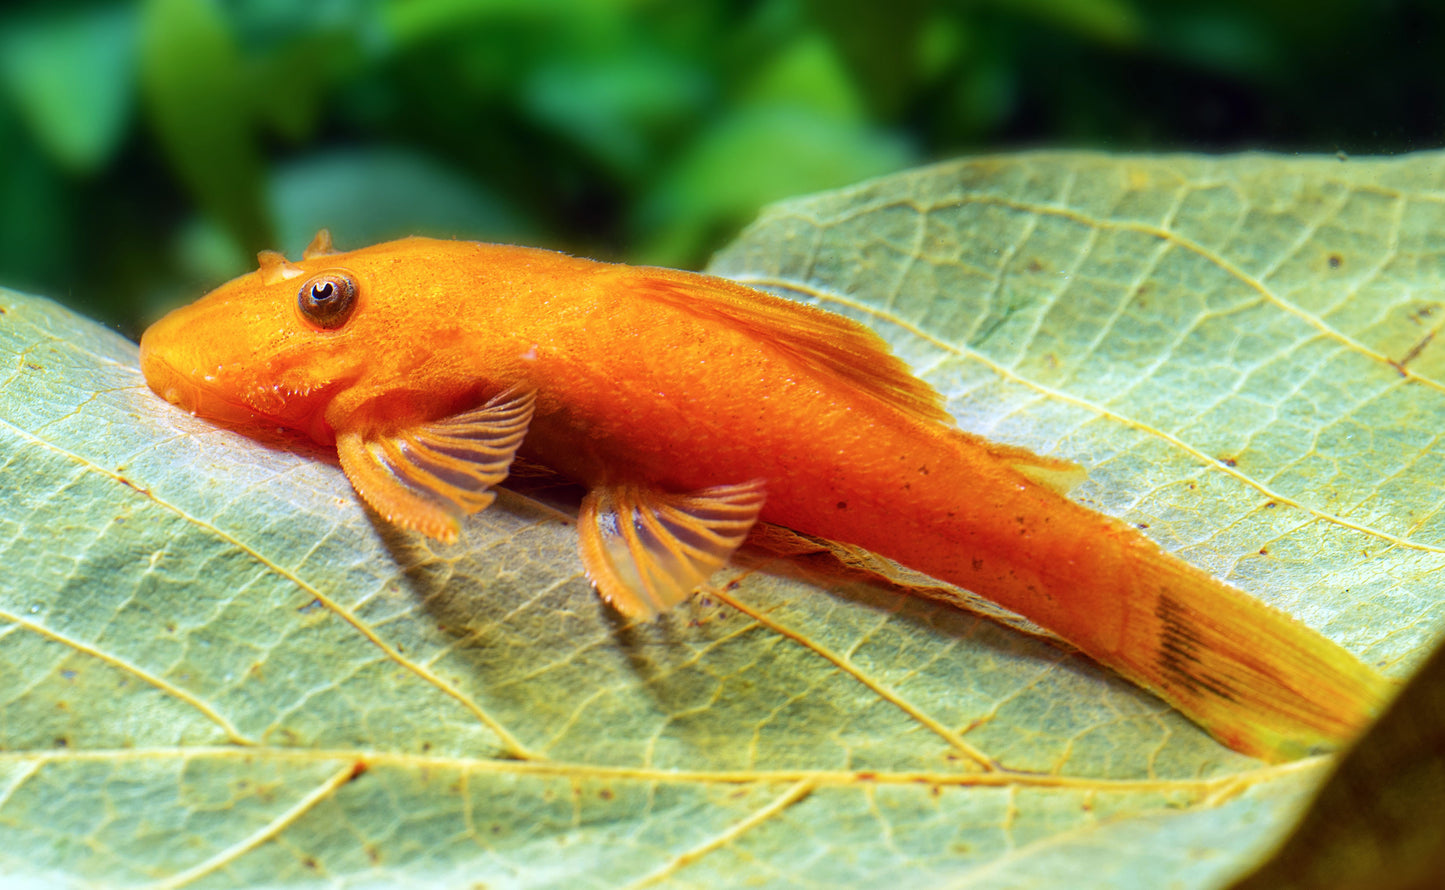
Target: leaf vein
x=981, y=760
x=795, y=793
x=235, y=735
x=267, y=832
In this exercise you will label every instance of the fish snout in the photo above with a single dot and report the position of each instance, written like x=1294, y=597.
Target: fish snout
x=162, y=376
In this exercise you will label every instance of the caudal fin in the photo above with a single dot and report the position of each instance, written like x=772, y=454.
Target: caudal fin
x=1255, y=678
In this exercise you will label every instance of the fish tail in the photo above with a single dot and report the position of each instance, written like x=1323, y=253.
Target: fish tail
x=1255, y=678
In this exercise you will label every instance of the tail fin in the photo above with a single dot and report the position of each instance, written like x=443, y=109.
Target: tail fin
x=1255, y=678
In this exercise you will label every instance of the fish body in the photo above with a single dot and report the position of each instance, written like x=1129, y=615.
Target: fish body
x=691, y=407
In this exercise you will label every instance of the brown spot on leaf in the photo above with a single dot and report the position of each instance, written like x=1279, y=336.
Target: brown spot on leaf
x=1336, y=261
x=1414, y=352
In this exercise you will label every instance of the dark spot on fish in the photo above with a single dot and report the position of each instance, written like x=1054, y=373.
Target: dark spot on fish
x=1217, y=687
x=1179, y=647
x=1336, y=261
x=842, y=505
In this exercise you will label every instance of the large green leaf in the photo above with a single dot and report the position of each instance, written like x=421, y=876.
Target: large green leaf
x=216, y=671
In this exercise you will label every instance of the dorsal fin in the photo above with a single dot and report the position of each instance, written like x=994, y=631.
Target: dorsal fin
x=832, y=343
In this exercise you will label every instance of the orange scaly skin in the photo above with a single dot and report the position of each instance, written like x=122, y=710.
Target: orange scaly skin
x=639, y=379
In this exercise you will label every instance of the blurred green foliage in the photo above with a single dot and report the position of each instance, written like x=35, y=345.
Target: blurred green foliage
x=148, y=148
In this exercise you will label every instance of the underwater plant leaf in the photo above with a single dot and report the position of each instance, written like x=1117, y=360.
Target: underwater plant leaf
x=216, y=670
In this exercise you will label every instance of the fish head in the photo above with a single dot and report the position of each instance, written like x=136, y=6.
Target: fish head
x=287, y=344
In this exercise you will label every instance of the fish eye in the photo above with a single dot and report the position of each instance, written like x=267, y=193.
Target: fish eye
x=327, y=298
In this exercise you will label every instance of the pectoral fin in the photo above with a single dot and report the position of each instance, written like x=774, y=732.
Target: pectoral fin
x=428, y=477
x=647, y=550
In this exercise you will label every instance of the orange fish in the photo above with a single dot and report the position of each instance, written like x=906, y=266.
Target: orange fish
x=691, y=407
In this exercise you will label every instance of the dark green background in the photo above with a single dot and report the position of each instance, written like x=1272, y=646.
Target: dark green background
x=147, y=149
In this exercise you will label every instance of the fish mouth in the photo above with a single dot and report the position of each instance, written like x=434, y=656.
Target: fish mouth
x=193, y=395
x=198, y=395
